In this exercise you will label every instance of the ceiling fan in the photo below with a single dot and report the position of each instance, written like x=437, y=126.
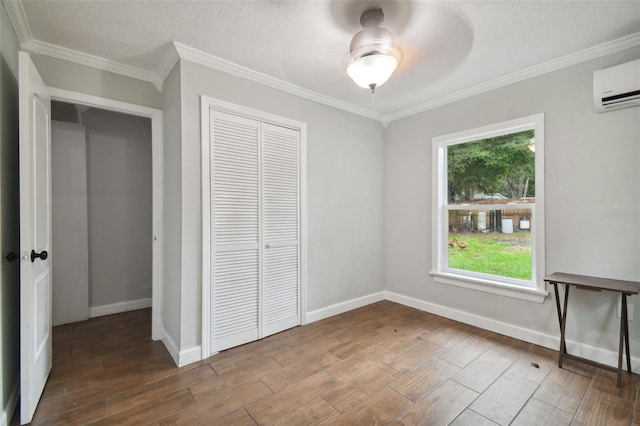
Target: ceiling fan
x=373, y=56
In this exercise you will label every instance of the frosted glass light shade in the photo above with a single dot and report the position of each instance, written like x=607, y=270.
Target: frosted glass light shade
x=372, y=70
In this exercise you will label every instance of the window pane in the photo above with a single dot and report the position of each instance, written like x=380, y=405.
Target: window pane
x=491, y=241
x=494, y=169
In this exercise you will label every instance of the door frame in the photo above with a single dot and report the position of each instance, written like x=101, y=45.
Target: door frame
x=157, y=328
x=206, y=105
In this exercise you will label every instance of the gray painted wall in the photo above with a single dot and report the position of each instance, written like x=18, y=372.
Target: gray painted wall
x=69, y=221
x=344, y=187
x=172, y=206
x=9, y=213
x=119, y=205
x=591, y=163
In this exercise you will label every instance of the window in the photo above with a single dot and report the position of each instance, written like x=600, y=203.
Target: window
x=488, y=208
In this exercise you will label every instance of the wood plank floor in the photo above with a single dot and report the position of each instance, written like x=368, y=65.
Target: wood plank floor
x=381, y=364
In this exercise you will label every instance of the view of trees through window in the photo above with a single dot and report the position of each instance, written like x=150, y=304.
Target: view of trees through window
x=502, y=166
x=491, y=191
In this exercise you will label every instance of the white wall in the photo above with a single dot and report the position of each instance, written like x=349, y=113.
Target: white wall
x=591, y=163
x=9, y=219
x=120, y=209
x=344, y=186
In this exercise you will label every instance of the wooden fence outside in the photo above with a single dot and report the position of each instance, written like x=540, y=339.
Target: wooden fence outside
x=461, y=220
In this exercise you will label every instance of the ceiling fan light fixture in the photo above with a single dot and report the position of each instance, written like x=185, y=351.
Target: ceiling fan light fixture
x=372, y=71
x=373, y=57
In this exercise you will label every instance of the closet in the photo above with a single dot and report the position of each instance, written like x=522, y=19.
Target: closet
x=102, y=212
x=255, y=228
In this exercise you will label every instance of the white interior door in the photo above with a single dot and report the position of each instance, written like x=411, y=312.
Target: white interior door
x=255, y=229
x=281, y=228
x=235, y=230
x=35, y=236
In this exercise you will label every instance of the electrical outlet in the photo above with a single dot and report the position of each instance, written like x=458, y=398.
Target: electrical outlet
x=629, y=311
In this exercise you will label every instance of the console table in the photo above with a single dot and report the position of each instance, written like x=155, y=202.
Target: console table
x=625, y=288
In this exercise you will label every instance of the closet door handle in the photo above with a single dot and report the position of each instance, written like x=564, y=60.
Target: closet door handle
x=42, y=255
x=267, y=246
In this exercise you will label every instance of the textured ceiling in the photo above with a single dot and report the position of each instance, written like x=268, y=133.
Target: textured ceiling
x=446, y=46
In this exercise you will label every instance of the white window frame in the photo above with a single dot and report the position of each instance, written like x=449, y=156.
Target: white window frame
x=533, y=290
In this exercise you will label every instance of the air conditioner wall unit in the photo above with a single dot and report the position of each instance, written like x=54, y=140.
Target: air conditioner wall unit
x=617, y=87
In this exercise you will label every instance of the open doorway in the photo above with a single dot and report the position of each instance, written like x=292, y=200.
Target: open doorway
x=35, y=228
x=102, y=212
x=155, y=115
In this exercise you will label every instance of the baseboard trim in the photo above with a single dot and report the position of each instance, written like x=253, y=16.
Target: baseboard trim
x=521, y=333
x=342, y=307
x=10, y=407
x=190, y=355
x=601, y=355
x=181, y=358
x=171, y=346
x=116, y=308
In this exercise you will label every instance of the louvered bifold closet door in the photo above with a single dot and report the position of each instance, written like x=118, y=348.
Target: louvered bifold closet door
x=281, y=224
x=235, y=227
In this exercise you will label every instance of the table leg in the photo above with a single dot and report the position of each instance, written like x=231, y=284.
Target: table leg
x=626, y=331
x=563, y=326
x=555, y=288
x=622, y=336
x=559, y=310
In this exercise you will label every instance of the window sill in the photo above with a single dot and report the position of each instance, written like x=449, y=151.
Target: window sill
x=515, y=292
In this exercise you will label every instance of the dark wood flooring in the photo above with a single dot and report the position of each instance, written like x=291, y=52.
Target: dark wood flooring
x=381, y=364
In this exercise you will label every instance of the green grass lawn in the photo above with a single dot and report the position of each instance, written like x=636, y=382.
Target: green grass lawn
x=507, y=255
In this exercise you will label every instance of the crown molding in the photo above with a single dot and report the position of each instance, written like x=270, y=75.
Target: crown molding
x=571, y=59
x=19, y=20
x=168, y=62
x=17, y=15
x=48, y=49
x=20, y=23
x=211, y=61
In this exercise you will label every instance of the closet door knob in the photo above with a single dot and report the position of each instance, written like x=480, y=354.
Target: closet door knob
x=42, y=255
x=267, y=246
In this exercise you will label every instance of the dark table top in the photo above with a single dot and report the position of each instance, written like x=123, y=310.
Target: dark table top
x=594, y=283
